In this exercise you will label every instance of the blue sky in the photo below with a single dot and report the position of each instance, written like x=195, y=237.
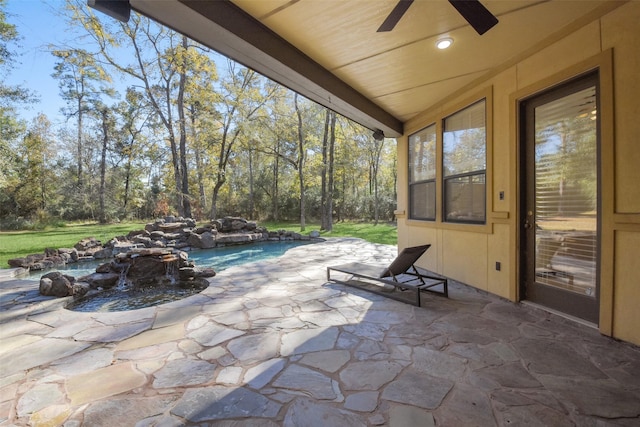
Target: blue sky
x=38, y=25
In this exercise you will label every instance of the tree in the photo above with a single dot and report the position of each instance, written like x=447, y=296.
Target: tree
x=130, y=143
x=300, y=163
x=107, y=126
x=82, y=84
x=374, y=152
x=203, y=120
x=35, y=183
x=328, y=152
x=241, y=102
x=161, y=65
x=10, y=97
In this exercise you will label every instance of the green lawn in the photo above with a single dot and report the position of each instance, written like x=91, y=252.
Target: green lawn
x=16, y=244
x=383, y=233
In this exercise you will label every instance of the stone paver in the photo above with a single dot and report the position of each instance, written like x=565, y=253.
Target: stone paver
x=273, y=344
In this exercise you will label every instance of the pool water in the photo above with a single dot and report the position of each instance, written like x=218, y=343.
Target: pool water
x=218, y=258
x=124, y=298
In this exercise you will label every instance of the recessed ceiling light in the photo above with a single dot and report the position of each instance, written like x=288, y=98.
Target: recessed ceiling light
x=444, y=43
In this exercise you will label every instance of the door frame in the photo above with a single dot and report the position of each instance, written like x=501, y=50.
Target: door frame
x=603, y=62
x=553, y=298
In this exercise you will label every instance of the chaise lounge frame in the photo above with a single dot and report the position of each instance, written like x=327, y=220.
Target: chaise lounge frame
x=402, y=274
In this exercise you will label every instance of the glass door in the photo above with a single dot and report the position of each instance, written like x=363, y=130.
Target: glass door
x=560, y=198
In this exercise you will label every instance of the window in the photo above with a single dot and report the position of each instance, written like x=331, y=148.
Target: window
x=422, y=174
x=464, y=163
x=448, y=168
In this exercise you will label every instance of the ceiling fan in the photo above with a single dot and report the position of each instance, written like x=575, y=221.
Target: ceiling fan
x=473, y=11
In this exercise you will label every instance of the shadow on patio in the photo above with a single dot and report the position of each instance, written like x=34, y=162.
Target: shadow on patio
x=272, y=343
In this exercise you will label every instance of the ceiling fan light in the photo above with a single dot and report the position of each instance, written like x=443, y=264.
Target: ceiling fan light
x=444, y=43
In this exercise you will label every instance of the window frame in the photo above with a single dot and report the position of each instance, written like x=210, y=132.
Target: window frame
x=436, y=115
x=464, y=174
x=421, y=182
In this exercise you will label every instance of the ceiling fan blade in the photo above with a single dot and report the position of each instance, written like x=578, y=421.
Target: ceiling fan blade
x=476, y=14
x=395, y=16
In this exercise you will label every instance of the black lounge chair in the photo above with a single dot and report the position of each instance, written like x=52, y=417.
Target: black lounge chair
x=402, y=274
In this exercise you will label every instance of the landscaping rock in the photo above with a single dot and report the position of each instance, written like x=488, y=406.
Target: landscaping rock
x=72, y=253
x=103, y=253
x=56, y=284
x=80, y=288
x=87, y=244
x=172, y=233
x=102, y=280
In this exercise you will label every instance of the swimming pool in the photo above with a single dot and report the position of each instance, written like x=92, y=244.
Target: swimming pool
x=122, y=298
x=217, y=258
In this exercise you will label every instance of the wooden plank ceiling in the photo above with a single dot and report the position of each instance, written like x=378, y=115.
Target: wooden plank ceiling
x=329, y=50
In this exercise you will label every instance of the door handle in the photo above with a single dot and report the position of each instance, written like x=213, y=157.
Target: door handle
x=527, y=224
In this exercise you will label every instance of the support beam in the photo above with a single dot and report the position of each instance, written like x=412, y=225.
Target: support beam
x=229, y=30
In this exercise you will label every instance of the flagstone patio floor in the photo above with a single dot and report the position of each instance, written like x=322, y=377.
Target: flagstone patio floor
x=274, y=344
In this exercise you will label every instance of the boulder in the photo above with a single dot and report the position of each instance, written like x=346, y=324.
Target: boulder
x=144, y=268
x=314, y=234
x=72, y=253
x=174, y=236
x=187, y=273
x=172, y=227
x=46, y=263
x=103, y=253
x=230, y=223
x=205, y=240
x=194, y=240
x=108, y=268
x=157, y=244
x=124, y=247
x=19, y=263
x=80, y=289
x=158, y=234
x=238, y=224
x=134, y=233
x=102, y=280
x=56, y=284
x=236, y=238
x=49, y=252
x=143, y=240
x=87, y=244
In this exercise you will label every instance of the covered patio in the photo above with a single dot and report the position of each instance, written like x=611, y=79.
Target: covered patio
x=274, y=344
x=399, y=84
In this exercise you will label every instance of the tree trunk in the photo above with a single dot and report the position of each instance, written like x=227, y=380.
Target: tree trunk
x=214, y=197
x=328, y=148
x=301, y=156
x=200, y=174
x=175, y=161
x=375, y=167
x=80, y=181
x=251, y=200
x=323, y=176
x=332, y=145
x=127, y=184
x=276, y=177
x=184, y=174
x=102, y=216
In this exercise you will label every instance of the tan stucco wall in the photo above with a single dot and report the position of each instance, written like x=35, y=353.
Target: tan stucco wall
x=469, y=253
